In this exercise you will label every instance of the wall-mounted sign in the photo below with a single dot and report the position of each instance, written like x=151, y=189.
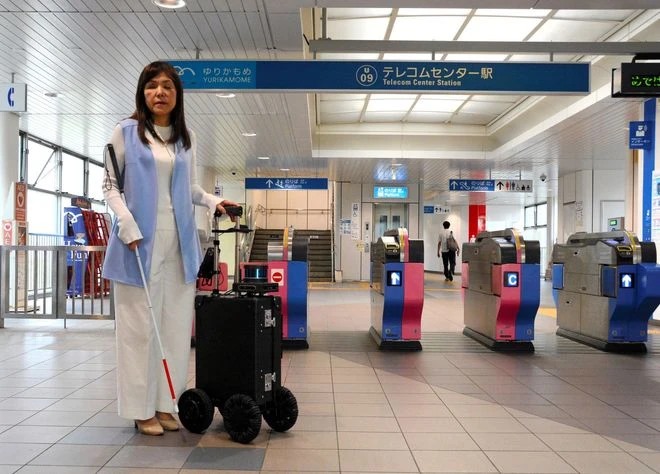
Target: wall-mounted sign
x=369, y=76
x=286, y=184
x=391, y=192
x=13, y=97
x=640, y=136
x=20, y=201
x=437, y=209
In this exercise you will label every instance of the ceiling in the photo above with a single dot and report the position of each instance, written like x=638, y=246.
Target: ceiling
x=89, y=54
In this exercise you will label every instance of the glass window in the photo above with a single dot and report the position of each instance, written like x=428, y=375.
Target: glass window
x=95, y=185
x=542, y=214
x=530, y=220
x=42, y=166
x=42, y=213
x=73, y=175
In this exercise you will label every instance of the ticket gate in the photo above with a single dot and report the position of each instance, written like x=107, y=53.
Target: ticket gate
x=606, y=287
x=501, y=282
x=287, y=266
x=397, y=291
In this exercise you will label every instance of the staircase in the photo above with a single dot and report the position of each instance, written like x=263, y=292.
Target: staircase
x=319, y=251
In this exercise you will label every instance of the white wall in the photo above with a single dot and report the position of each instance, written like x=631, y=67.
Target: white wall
x=297, y=209
x=503, y=217
x=608, y=195
x=347, y=247
x=432, y=224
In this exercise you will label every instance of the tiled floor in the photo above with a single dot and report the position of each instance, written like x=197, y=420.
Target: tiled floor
x=453, y=407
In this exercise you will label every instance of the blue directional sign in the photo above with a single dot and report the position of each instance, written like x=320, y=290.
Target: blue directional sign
x=471, y=185
x=393, y=278
x=286, y=184
x=386, y=76
x=390, y=192
x=626, y=280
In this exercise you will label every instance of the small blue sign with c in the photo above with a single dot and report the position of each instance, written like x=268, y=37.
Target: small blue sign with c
x=511, y=279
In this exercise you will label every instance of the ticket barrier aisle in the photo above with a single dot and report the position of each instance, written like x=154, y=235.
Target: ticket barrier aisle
x=501, y=289
x=287, y=266
x=606, y=287
x=397, y=291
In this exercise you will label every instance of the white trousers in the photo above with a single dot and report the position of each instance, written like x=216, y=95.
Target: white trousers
x=142, y=387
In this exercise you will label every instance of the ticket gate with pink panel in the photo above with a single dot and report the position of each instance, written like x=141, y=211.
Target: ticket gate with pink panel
x=501, y=289
x=397, y=291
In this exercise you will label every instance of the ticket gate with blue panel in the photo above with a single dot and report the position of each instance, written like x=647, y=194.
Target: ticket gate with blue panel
x=606, y=287
x=397, y=291
x=288, y=267
x=501, y=282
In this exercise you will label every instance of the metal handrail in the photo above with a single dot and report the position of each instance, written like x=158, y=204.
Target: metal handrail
x=53, y=282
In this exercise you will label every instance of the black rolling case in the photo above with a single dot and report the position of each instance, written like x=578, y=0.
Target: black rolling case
x=238, y=363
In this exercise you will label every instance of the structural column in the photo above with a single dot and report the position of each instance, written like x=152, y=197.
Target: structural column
x=8, y=161
x=8, y=167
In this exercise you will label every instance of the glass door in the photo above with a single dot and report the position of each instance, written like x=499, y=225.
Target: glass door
x=388, y=216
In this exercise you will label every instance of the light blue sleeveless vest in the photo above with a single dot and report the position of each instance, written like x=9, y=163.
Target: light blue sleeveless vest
x=141, y=198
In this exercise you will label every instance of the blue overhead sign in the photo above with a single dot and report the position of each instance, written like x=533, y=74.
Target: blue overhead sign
x=390, y=192
x=385, y=76
x=286, y=184
x=471, y=185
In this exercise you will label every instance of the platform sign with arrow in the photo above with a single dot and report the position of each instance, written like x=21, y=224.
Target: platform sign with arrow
x=286, y=184
x=514, y=185
x=468, y=185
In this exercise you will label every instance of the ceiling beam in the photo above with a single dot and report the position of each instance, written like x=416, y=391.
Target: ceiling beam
x=539, y=47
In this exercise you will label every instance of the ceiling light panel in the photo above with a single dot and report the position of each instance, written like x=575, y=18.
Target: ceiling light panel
x=383, y=117
x=353, y=13
x=343, y=106
x=437, y=105
x=482, y=107
x=508, y=12
x=435, y=28
x=476, y=57
x=393, y=103
x=428, y=117
x=594, y=15
x=489, y=28
x=421, y=12
x=348, y=56
x=340, y=118
x=358, y=29
x=572, y=30
x=407, y=57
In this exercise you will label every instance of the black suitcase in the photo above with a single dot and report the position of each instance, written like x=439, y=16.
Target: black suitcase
x=238, y=364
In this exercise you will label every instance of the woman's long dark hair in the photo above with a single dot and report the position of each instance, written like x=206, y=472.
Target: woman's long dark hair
x=142, y=113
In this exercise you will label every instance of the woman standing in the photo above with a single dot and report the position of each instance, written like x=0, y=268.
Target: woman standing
x=156, y=154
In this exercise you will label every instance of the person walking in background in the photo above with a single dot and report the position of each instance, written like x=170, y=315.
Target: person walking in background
x=156, y=154
x=448, y=250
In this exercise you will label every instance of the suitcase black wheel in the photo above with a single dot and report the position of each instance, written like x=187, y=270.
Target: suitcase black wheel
x=195, y=410
x=242, y=418
x=282, y=413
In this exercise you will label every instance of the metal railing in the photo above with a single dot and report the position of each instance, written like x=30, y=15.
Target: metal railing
x=53, y=282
